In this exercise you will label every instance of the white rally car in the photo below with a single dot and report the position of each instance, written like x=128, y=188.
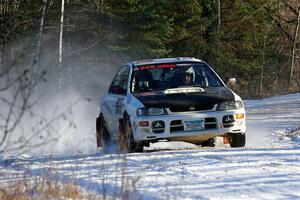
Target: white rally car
x=174, y=99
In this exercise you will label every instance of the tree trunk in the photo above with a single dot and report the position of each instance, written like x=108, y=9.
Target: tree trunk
x=61, y=31
x=216, y=34
x=2, y=64
x=263, y=59
x=218, y=16
x=39, y=37
x=60, y=48
x=294, y=48
x=262, y=68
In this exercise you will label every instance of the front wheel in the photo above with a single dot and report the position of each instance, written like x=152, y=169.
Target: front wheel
x=127, y=142
x=237, y=139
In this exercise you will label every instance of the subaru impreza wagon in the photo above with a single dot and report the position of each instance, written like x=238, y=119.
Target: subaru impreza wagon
x=174, y=99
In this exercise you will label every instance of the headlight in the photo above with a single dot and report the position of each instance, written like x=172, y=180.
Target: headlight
x=151, y=111
x=230, y=105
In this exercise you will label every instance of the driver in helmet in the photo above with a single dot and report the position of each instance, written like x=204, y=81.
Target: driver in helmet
x=187, y=78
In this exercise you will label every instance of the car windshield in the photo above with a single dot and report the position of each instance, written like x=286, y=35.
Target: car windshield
x=159, y=77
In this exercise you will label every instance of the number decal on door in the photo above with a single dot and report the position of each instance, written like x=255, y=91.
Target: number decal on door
x=119, y=106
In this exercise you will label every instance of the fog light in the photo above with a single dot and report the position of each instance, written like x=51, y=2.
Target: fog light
x=144, y=123
x=240, y=116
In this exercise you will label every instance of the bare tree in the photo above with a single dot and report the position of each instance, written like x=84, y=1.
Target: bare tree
x=19, y=77
x=216, y=31
x=262, y=67
x=263, y=52
x=288, y=22
x=218, y=6
x=8, y=10
x=295, y=39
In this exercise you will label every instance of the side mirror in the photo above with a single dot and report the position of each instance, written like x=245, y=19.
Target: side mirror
x=230, y=82
x=117, y=90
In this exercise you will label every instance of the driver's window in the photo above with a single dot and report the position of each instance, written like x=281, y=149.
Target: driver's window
x=119, y=84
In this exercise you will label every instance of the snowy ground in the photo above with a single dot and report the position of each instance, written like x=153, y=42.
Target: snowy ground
x=268, y=168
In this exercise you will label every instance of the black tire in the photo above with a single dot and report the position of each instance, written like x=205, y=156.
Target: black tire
x=103, y=136
x=237, y=139
x=98, y=132
x=130, y=145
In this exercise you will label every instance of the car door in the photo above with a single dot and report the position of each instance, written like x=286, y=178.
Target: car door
x=115, y=100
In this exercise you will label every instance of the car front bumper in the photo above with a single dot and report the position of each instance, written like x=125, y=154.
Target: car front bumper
x=215, y=123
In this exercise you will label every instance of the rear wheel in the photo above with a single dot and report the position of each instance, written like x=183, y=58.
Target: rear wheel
x=102, y=135
x=237, y=139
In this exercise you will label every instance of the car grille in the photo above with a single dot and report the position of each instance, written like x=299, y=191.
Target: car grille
x=191, y=108
x=177, y=125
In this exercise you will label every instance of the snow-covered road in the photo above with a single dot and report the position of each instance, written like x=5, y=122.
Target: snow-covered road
x=268, y=168
x=273, y=122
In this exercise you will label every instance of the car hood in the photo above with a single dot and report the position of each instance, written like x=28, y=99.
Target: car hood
x=210, y=96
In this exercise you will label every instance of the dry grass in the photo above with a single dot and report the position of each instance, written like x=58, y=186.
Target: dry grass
x=46, y=181
x=43, y=189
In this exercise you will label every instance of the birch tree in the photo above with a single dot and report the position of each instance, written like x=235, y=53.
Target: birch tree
x=61, y=31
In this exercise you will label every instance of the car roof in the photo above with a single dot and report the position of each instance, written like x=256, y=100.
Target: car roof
x=164, y=60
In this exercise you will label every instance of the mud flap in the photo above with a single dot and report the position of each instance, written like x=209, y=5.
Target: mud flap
x=98, y=132
x=208, y=143
x=225, y=139
x=122, y=136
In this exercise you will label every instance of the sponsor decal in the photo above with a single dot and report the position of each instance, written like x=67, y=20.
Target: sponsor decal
x=119, y=105
x=161, y=66
x=147, y=93
x=158, y=124
x=228, y=119
x=166, y=66
x=146, y=67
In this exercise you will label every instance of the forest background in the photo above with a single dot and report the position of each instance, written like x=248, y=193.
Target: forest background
x=254, y=41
